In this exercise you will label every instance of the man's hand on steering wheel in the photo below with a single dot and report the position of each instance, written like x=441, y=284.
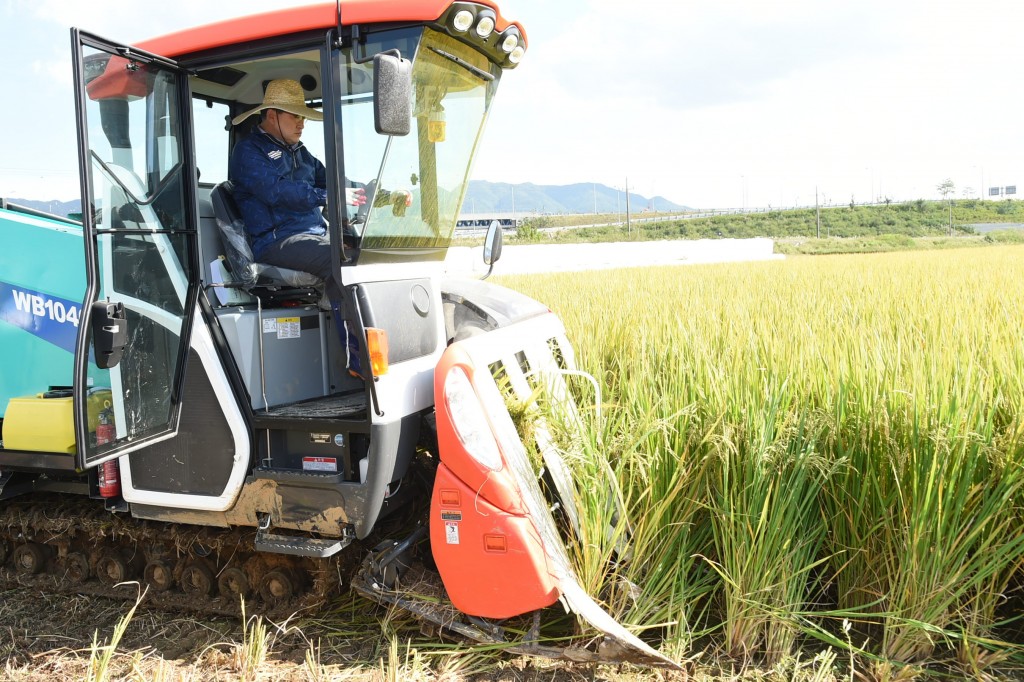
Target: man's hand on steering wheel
x=355, y=196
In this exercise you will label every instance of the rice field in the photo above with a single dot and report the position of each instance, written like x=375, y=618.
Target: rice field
x=815, y=455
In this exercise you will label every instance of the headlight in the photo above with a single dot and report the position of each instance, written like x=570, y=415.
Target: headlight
x=462, y=21
x=510, y=42
x=485, y=26
x=469, y=419
x=94, y=66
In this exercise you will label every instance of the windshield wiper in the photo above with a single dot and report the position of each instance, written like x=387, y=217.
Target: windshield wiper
x=464, y=64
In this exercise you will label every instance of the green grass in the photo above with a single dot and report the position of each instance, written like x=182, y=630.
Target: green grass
x=887, y=227
x=810, y=442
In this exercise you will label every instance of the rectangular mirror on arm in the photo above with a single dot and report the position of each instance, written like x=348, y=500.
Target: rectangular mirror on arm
x=392, y=87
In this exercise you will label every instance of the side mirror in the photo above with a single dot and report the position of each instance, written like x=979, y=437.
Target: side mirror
x=392, y=93
x=492, y=246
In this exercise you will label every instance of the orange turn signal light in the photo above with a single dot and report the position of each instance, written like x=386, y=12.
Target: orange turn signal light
x=377, y=346
x=495, y=543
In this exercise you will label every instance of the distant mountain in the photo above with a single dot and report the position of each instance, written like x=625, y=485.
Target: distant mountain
x=584, y=197
x=54, y=207
x=498, y=197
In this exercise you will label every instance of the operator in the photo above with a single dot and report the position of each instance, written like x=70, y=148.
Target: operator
x=280, y=187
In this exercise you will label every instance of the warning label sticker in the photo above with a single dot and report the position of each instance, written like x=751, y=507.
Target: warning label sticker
x=451, y=516
x=451, y=532
x=288, y=328
x=319, y=464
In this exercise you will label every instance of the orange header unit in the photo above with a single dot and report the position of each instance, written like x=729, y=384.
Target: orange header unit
x=299, y=19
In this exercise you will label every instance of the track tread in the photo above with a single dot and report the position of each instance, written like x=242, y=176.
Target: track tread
x=78, y=526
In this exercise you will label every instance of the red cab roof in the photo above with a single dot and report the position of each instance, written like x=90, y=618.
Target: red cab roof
x=298, y=19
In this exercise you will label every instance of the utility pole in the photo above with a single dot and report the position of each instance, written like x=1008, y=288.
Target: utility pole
x=817, y=210
x=629, y=229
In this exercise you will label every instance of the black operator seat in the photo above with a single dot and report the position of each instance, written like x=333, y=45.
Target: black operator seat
x=270, y=283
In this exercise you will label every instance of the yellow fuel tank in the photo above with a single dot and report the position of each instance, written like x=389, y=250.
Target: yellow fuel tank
x=45, y=422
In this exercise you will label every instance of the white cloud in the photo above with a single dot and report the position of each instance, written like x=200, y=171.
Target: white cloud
x=57, y=71
x=698, y=54
x=713, y=101
x=703, y=101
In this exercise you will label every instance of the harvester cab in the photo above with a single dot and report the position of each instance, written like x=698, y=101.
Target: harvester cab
x=212, y=391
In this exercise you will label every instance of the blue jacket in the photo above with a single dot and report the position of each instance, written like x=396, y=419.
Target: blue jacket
x=279, y=189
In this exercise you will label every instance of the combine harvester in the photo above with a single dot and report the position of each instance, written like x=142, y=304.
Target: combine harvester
x=175, y=413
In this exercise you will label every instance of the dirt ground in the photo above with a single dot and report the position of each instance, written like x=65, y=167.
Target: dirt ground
x=47, y=637
x=50, y=638
x=48, y=631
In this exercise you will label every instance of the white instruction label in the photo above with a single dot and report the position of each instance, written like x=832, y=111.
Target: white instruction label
x=288, y=328
x=269, y=326
x=451, y=532
x=320, y=464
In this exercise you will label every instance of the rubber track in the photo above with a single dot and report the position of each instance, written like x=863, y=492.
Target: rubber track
x=74, y=524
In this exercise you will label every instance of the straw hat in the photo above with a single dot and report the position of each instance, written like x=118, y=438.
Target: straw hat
x=284, y=94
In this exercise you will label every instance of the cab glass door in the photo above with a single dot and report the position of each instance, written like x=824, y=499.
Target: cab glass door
x=139, y=218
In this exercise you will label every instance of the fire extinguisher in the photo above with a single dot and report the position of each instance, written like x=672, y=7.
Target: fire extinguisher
x=109, y=479
x=105, y=431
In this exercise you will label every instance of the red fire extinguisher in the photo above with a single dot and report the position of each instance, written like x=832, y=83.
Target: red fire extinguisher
x=109, y=479
x=105, y=431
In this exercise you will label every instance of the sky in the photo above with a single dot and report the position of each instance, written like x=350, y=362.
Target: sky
x=710, y=104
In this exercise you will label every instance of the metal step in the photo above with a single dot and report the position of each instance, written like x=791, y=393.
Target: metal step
x=300, y=546
x=310, y=479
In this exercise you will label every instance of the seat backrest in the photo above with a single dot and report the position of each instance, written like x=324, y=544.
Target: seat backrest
x=238, y=252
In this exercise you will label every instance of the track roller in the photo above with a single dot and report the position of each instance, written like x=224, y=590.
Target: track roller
x=197, y=579
x=112, y=568
x=233, y=583
x=159, y=575
x=30, y=558
x=76, y=567
x=278, y=586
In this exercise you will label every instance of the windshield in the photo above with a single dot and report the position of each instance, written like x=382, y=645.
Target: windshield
x=415, y=184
